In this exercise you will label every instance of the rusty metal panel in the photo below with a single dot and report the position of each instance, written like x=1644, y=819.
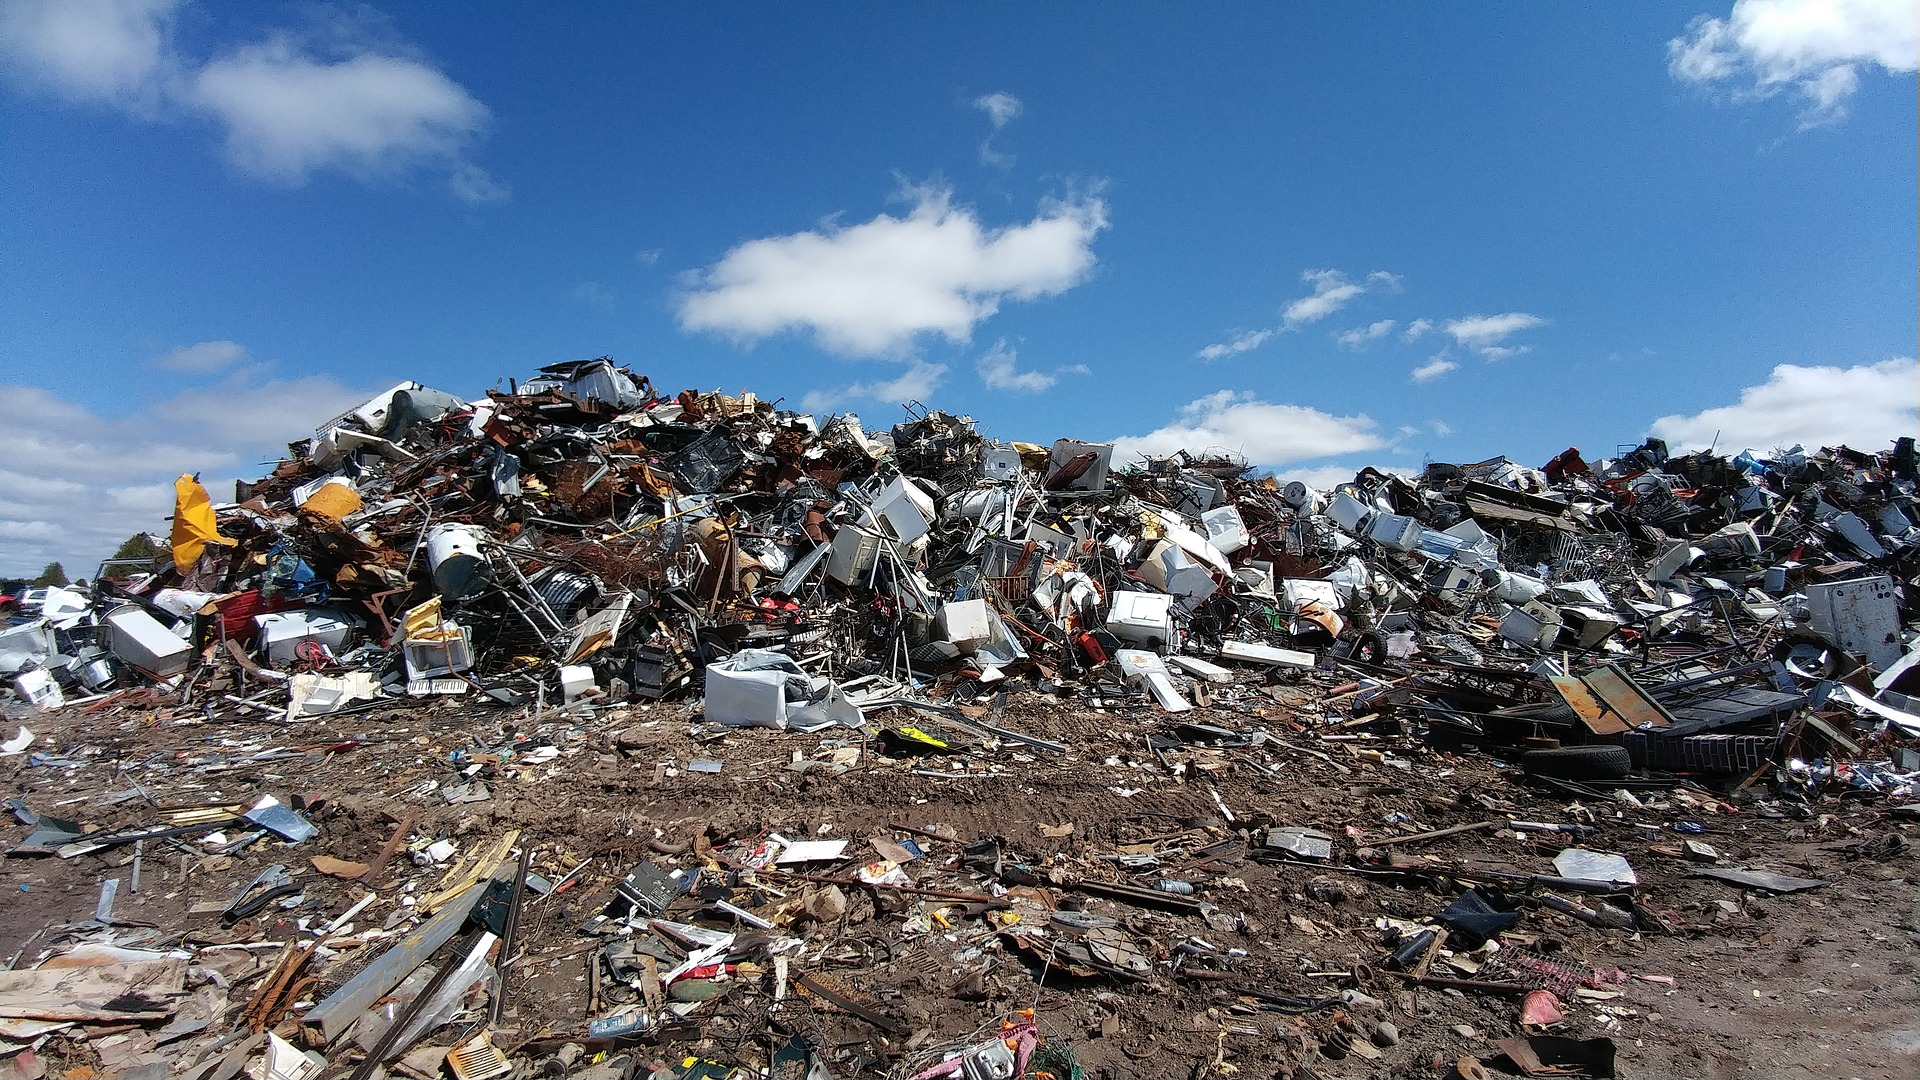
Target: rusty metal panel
x=1592, y=712
x=1625, y=697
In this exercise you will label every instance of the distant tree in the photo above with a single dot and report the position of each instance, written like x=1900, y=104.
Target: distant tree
x=138, y=546
x=54, y=574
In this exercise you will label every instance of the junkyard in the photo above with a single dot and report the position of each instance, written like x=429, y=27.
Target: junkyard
x=600, y=729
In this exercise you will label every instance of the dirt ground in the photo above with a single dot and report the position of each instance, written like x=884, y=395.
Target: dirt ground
x=1820, y=983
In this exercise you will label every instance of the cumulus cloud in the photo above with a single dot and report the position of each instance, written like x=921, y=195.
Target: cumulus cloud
x=1332, y=290
x=201, y=359
x=89, y=50
x=1863, y=406
x=289, y=106
x=1321, y=477
x=999, y=370
x=1416, y=330
x=1262, y=432
x=289, y=114
x=1816, y=47
x=1234, y=346
x=1361, y=336
x=917, y=383
x=872, y=289
x=74, y=484
x=1434, y=368
x=1487, y=334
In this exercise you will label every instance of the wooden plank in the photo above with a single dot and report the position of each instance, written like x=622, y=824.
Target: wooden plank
x=478, y=865
x=1452, y=830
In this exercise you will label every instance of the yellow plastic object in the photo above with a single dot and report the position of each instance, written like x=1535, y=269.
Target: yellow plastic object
x=423, y=623
x=333, y=501
x=194, y=524
x=918, y=735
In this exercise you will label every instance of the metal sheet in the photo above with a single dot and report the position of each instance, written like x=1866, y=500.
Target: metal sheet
x=1592, y=712
x=1625, y=697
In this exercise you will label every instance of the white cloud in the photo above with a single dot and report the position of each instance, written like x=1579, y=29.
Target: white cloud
x=1814, y=46
x=1361, y=336
x=1262, y=432
x=1487, y=334
x=208, y=356
x=474, y=186
x=648, y=256
x=1320, y=477
x=1234, y=346
x=1332, y=290
x=1434, y=368
x=916, y=384
x=1863, y=407
x=1001, y=108
x=999, y=370
x=872, y=289
x=89, y=50
x=1440, y=428
x=74, y=484
x=289, y=114
x=289, y=107
x=1416, y=330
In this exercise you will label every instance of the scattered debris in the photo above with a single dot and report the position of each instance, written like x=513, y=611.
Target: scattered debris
x=550, y=734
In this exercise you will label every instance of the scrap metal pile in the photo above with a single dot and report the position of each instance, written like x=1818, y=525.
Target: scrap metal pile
x=540, y=568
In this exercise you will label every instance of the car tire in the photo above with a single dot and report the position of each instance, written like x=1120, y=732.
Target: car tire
x=1579, y=763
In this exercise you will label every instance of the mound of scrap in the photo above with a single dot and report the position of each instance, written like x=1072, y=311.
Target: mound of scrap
x=587, y=731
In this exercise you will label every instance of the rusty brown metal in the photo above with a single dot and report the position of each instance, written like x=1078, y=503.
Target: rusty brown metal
x=1594, y=713
x=1625, y=697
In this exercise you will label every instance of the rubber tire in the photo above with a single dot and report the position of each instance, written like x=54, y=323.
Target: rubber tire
x=1579, y=763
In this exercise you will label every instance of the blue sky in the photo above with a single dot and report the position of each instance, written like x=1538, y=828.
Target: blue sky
x=1322, y=237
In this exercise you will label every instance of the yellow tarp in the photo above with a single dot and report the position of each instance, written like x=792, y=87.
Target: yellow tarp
x=194, y=525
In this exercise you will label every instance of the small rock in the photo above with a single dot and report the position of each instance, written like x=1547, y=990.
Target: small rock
x=1465, y=1031
x=1385, y=1034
